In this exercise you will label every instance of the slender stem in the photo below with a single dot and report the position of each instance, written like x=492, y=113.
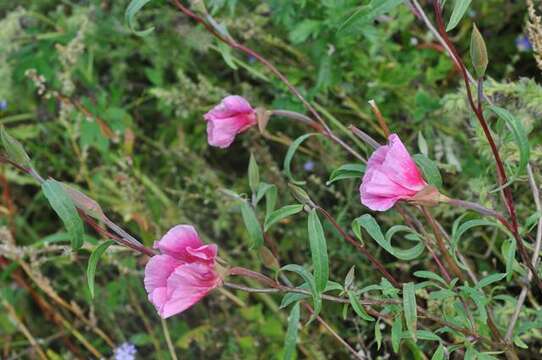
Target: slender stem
x=442, y=244
x=169, y=343
x=134, y=246
x=376, y=263
x=334, y=333
x=299, y=117
x=501, y=173
x=367, y=302
x=380, y=118
x=535, y=258
x=227, y=39
x=326, y=132
x=364, y=137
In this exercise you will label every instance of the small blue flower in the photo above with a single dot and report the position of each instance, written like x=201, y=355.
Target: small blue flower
x=126, y=351
x=251, y=59
x=523, y=44
x=309, y=166
x=3, y=105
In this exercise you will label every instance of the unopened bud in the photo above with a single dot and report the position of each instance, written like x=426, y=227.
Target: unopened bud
x=478, y=52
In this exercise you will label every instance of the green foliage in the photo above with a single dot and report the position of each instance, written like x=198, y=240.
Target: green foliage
x=132, y=138
x=65, y=208
x=93, y=263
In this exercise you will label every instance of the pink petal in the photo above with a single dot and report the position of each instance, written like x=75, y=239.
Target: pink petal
x=378, y=183
x=176, y=241
x=378, y=157
x=232, y=105
x=158, y=270
x=221, y=132
x=400, y=167
x=158, y=298
x=378, y=203
x=206, y=253
x=187, y=285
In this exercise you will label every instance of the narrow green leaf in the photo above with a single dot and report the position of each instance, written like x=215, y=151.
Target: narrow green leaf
x=281, y=214
x=490, y=279
x=291, y=298
x=290, y=342
x=378, y=335
x=253, y=174
x=439, y=353
x=64, y=207
x=429, y=169
x=318, y=247
x=309, y=279
x=252, y=224
x=409, y=306
x=270, y=193
x=467, y=225
x=520, y=138
x=508, y=249
x=396, y=333
x=93, y=262
x=133, y=8
x=460, y=8
x=14, y=149
x=427, y=335
x=346, y=171
x=358, y=308
x=367, y=13
x=368, y=222
x=470, y=353
x=290, y=155
x=227, y=55
x=430, y=275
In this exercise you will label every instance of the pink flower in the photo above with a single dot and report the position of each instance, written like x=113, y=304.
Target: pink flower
x=183, y=273
x=229, y=118
x=391, y=175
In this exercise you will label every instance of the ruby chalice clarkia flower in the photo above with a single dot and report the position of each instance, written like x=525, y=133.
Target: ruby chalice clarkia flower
x=226, y=120
x=183, y=273
x=392, y=175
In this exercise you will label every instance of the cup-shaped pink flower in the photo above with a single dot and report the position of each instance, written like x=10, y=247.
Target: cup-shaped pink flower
x=391, y=175
x=183, y=272
x=231, y=117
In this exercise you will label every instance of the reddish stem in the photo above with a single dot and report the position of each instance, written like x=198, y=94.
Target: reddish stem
x=501, y=172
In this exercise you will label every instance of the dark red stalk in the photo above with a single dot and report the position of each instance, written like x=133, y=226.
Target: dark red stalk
x=501, y=172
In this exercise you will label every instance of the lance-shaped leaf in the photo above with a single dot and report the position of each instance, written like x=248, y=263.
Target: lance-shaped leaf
x=290, y=155
x=318, y=247
x=63, y=205
x=290, y=342
x=252, y=224
x=93, y=262
x=460, y=8
x=281, y=214
x=409, y=307
x=429, y=169
x=253, y=174
x=133, y=8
